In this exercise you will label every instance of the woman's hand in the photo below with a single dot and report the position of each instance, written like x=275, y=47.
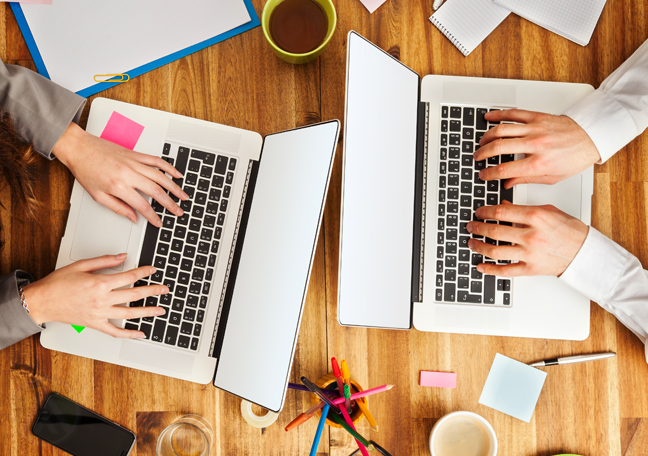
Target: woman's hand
x=545, y=239
x=555, y=148
x=112, y=174
x=76, y=296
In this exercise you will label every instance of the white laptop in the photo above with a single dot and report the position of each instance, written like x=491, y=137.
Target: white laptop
x=237, y=263
x=410, y=185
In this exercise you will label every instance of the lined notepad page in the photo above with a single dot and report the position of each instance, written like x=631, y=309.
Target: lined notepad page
x=572, y=19
x=466, y=23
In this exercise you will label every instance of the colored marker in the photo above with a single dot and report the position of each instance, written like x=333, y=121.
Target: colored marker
x=338, y=376
x=346, y=375
x=347, y=418
x=311, y=386
x=301, y=419
x=318, y=433
x=350, y=430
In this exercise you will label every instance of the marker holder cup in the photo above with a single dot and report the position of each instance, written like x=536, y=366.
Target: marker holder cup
x=324, y=383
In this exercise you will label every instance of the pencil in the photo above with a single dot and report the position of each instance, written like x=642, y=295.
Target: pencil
x=318, y=433
x=347, y=428
x=347, y=381
x=301, y=419
x=347, y=418
x=369, y=392
x=367, y=413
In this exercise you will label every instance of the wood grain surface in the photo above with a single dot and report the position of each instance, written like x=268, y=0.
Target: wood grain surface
x=592, y=409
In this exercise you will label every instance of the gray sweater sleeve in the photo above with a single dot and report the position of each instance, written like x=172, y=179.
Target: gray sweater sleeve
x=15, y=322
x=40, y=109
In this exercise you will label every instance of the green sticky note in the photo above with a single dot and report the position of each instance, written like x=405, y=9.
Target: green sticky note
x=78, y=328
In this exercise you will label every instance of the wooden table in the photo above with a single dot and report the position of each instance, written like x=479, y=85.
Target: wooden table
x=598, y=408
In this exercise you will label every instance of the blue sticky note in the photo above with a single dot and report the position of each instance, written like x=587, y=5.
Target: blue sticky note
x=513, y=387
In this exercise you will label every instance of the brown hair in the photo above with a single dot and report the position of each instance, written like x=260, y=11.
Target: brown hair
x=16, y=160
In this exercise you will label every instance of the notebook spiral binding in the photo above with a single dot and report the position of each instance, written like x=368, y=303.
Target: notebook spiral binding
x=449, y=35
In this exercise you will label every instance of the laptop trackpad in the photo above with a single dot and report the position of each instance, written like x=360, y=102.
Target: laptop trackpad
x=99, y=231
x=565, y=195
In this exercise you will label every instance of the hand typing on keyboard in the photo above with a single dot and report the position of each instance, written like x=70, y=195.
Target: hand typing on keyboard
x=75, y=295
x=545, y=240
x=556, y=147
x=112, y=175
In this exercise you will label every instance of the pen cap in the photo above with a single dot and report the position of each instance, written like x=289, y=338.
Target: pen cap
x=345, y=370
x=328, y=382
x=336, y=367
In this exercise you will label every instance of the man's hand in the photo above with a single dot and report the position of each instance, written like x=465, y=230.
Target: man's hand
x=112, y=174
x=77, y=296
x=545, y=239
x=555, y=147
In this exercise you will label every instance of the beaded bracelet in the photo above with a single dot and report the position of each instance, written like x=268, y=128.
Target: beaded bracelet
x=22, y=299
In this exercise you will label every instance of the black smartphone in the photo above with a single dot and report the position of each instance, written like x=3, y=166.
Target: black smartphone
x=79, y=431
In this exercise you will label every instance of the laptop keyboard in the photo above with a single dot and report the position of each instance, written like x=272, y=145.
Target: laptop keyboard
x=185, y=249
x=461, y=192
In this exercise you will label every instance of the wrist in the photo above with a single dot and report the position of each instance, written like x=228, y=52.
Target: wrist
x=68, y=143
x=32, y=305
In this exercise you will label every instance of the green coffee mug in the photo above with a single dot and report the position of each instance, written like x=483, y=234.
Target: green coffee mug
x=329, y=9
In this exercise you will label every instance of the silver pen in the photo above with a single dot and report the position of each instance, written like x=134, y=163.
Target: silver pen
x=573, y=359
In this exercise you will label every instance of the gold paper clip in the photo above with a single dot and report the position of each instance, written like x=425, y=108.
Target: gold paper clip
x=112, y=77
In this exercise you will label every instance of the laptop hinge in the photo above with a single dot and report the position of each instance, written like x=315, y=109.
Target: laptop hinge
x=420, y=188
x=233, y=262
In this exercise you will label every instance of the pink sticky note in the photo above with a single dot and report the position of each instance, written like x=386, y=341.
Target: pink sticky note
x=439, y=379
x=123, y=131
x=372, y=5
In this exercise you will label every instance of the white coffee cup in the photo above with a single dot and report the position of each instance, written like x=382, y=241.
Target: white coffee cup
x=463, y=434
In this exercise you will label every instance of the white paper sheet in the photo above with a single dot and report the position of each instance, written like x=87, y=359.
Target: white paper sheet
x=79, y=39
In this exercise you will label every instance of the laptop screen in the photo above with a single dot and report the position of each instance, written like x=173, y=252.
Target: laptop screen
x=275, y=263
x=376, y=236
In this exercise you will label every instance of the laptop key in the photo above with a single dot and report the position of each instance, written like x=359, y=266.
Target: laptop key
x=183, y=278
x=197, y=329
x=186, y=327
x=226, y=191
x=218, y=181
x=203, y=248
x=163, y=248
x=455, y=112
x=455, y=125
x=506, y=194
x=232, y=164
x=507, y=299
x=438, y=294
x=469, y=116
x=194, y=224
x=183, y=342
x=175, y=318
x=464, y=269
x=192, y=238
x=146, y=329
x=481, y=123
x=453, y=179
x=200, y=316
x=203, y=185
x=449, y=292
x=444, y=112
x=131, y=326
x=454, y=152
x=191, y=179
x=214, y=194
x=489, y=289
x=174, y=258
x=172, y=272
x=192, y=301
x=171, y=335
x=206, y=171
x=194, y=343
x=189, y=314
x=462, y=282
x=201, y=261
x=212, y=257
x=212, y=208
x=221, y=165
x=194, y=165
x=203, y=302
x=195, y=288
x=158, y=330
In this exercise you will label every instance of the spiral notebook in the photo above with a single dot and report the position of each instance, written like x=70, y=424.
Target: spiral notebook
x=574, y=19
x=466, y=23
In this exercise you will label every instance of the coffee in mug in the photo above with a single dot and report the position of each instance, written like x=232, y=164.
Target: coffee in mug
x=298, y=26
x=463, y=434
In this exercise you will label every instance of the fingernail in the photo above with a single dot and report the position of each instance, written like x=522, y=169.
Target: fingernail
x=152, y=270
x=471, y=244
x=469, y=227
x=158, y=223
x=481, y=174
x=165, y=290
x=159, y=311
x=478, y=211
x=184, y=196
x=121, y=256
x=132, y=218
x=178, y=174
x=140, y=336
x=480, y=268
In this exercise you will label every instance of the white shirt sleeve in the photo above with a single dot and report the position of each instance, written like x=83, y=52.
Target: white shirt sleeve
x=617, y=112
x=608, y=274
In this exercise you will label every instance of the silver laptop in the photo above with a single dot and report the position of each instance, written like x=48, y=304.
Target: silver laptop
x=410, y=186
x=237, y=263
